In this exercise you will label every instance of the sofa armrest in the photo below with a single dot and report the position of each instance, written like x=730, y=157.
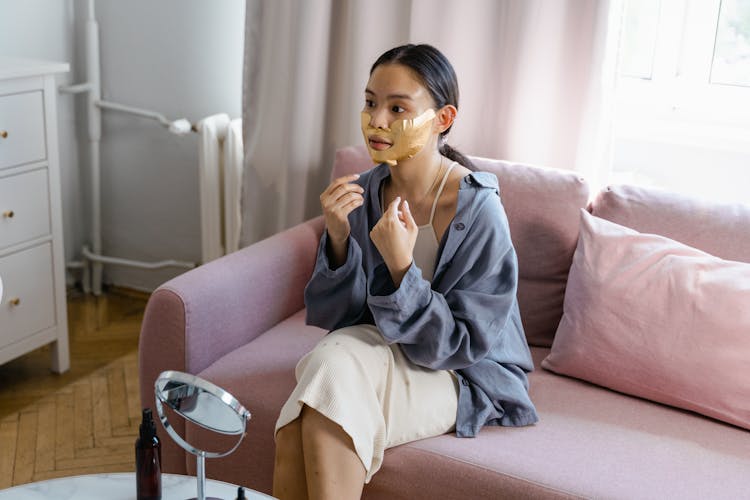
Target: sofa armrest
x=207, y=312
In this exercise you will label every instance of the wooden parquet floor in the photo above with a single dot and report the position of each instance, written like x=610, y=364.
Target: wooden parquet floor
x=85, y=420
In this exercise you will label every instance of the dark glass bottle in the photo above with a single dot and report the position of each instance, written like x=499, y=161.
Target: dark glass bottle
x=148, y=460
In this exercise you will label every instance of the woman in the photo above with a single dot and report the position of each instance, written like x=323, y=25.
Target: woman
x=416, y=277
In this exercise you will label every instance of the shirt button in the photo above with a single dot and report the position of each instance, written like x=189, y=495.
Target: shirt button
x=459, y=226
x=464, y=381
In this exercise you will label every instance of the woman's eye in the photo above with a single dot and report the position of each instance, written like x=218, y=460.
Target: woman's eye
x=397, y=109
x=369, y=103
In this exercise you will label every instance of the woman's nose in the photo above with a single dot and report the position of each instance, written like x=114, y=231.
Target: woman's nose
x=378, y=118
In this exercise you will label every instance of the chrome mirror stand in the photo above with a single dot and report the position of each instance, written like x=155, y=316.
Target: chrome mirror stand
x=204, y=404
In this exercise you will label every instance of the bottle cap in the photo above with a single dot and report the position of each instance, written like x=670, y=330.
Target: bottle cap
x=148, y=428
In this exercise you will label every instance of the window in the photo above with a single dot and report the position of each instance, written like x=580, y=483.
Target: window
x=731, y=57
x=682, y=106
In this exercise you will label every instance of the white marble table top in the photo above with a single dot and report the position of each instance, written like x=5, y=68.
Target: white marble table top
x=121, y=486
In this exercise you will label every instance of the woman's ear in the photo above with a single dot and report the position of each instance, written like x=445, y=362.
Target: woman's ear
x=445, y=117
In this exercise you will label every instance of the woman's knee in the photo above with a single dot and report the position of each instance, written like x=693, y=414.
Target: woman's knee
x=330, y=357
x=342, y=355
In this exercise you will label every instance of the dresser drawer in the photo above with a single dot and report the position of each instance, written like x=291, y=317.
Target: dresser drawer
x=21, y=129
x=28, y=304
x=24, y=207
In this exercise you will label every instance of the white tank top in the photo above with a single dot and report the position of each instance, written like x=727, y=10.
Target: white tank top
x=427, y=244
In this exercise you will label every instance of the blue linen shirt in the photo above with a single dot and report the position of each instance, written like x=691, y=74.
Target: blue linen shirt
x=467, y=319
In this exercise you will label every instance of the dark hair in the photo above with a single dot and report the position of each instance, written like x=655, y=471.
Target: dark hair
x=438, y=77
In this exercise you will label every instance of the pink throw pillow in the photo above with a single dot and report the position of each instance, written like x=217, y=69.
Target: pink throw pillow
x=652, y=317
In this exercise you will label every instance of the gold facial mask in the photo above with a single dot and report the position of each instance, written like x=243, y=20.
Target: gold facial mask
x=407, y=137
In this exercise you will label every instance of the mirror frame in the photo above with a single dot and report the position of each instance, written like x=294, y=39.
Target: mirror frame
x=216, y=391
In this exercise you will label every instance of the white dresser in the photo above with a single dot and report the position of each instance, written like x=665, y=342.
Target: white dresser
x=32, y=264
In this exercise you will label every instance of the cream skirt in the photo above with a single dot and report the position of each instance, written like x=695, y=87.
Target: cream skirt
x=379, y=397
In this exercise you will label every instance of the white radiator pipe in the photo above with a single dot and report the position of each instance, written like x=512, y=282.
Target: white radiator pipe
x=93, y=72
x=179, y=127
x=135, y=263
x=75, y=89
x=134, y=111
x=93, y=261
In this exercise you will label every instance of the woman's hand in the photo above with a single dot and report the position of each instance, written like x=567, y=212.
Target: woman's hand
x=338, y=200
x=394, y=236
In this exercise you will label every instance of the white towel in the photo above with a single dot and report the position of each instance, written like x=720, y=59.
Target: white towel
x=233, y=165
x=212, y=130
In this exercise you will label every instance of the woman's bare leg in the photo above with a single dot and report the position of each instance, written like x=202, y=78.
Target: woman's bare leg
x=332, y=466
x=289, y=482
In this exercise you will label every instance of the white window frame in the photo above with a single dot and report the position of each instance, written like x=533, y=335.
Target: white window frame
x=678, y=104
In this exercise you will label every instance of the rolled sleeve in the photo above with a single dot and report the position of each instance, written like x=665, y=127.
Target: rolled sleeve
x=335, y=298
x=413, y=293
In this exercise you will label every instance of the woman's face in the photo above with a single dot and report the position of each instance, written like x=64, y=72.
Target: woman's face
x=394, y=93
x=398, y=116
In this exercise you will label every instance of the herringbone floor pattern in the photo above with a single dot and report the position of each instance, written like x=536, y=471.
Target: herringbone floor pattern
x=83, y=421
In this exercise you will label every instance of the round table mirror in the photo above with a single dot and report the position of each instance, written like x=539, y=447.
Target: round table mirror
x=204, y=404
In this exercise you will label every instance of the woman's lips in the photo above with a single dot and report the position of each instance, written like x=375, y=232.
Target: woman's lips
x=378, y=144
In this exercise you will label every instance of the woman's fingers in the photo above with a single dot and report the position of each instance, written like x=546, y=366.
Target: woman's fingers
x=346, y=180
x=338, y=200
x=346, y=199
x=351, y=205
x=341, y=208
x=407, y=218
x=339, y=181
x=392, y=210
x=341, y=193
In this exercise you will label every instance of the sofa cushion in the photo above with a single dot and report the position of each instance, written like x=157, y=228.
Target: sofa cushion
x=590, y=442
x=720, y=229
x=652, y=317
x=542, y=206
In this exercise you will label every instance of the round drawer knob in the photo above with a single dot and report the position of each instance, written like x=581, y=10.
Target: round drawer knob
x=4, y=134
x=8, y=214
x=15, y=301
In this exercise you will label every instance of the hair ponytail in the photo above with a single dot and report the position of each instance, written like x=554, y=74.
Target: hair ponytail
x=453, y=154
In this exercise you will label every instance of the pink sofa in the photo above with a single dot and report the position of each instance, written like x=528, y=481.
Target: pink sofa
x=239, y=322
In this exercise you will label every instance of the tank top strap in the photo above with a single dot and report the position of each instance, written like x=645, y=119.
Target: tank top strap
x=440, y=191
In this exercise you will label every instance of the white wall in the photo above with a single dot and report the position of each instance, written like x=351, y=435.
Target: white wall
x=182, y=58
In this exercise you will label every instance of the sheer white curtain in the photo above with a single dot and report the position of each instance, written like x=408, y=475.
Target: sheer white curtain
x=534, y=78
